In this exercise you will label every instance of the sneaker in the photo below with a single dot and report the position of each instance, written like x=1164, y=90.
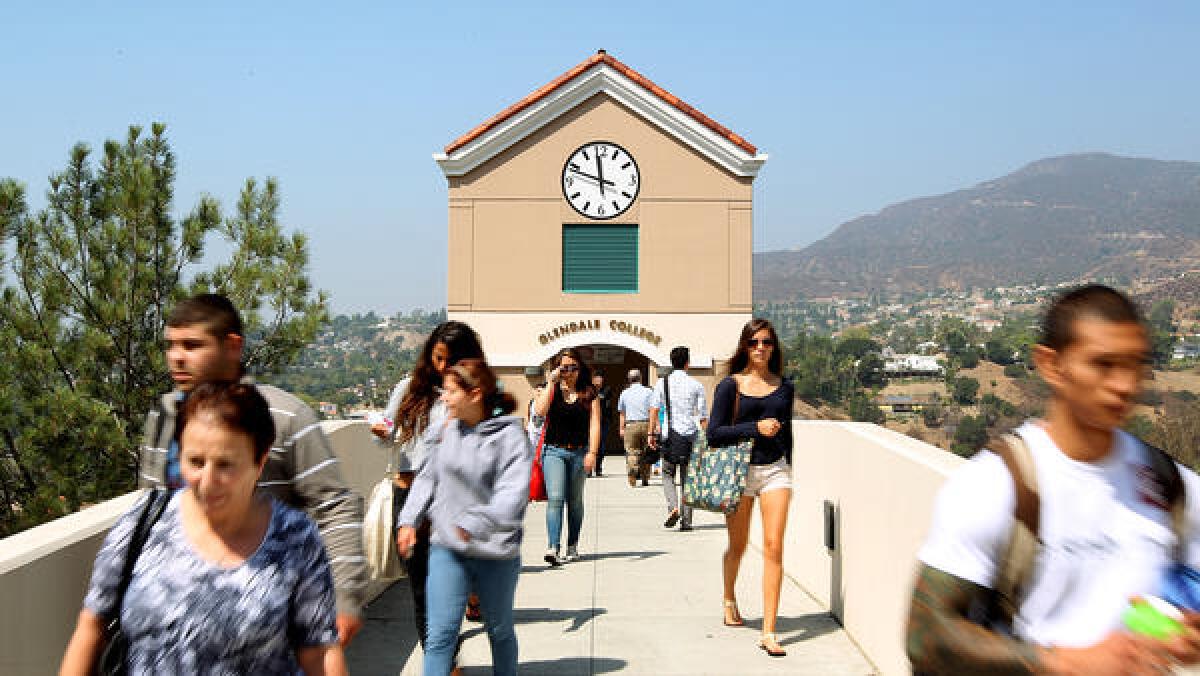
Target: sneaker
x=551, y=557
x=632, y=481
x=672, y=519
x=572, y=554
x=685, y=527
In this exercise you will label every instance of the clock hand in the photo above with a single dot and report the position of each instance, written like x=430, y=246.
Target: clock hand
x=600, y=173
x=601, y=181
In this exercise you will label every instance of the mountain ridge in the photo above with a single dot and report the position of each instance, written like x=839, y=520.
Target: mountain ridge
x=1087, y=215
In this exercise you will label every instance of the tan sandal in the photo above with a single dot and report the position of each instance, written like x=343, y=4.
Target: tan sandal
x=737, y=616
x=770, y=644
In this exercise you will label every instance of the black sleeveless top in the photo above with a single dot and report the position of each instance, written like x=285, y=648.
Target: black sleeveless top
x=568, y=425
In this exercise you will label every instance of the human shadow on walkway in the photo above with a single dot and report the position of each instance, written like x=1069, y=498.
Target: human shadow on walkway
x=796, y=629
x=542, y=567
x=709, y=526
x=578, y=618
x=383, y=646
x=565, y=666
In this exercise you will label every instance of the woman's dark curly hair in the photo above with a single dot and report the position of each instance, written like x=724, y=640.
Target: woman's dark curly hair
x=412, y=417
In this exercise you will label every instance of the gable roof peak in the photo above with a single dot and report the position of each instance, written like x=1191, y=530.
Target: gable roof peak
x=600, y=72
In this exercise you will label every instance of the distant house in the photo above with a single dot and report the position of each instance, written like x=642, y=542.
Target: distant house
x=893, y=404
x=1186, y=351
x=928, y=347
x=903, y=365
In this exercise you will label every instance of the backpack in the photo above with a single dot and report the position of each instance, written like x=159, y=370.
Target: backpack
x=1024, y=542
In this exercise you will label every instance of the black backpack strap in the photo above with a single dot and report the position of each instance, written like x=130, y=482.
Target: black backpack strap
x=1015, y=567
x=1174, y=492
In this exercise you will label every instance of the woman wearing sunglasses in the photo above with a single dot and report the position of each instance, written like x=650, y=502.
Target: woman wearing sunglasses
x=572, y=413
x=755, y=401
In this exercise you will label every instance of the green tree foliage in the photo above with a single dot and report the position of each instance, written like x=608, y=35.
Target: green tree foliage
x=968, y=358
x=993, y=409
x=862, y=409
x=870, y=371
x=1162, y=332
x=86, y=286
x=999, y=351
x=857, y=343
x=933, y=415
x=820, y=375
x=1016, y=371
x=970, y=435
x=964, y=390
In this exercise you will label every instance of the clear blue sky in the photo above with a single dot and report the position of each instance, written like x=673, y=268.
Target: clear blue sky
x=859, y=105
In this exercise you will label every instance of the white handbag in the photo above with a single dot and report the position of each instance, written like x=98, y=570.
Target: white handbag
x=379, y=539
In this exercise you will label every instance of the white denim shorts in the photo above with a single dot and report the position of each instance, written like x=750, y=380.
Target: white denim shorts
x=764, y=478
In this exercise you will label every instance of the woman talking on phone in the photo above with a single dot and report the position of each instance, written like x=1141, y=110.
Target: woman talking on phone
x=572, y=440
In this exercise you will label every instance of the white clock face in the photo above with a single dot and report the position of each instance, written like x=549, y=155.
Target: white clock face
x=600, y=180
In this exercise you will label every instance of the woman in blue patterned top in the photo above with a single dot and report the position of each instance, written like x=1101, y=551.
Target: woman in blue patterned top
x=229, y=581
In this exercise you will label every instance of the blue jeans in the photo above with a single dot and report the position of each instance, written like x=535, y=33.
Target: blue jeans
x=451, y=578
x=563, y=469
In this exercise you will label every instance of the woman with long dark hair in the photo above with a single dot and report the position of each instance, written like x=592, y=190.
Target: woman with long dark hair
x=755, y=402
x=416, y=407
x=474, y=488
x=572, y=440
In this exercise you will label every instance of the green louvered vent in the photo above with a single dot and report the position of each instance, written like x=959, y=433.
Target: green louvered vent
x=600, y=258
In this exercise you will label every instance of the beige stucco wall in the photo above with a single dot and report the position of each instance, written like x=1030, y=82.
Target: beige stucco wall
x=506, y=218
x=883, y=485
x=44, y=571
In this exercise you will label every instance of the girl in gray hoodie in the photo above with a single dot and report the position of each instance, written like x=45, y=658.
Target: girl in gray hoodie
x=473, y=487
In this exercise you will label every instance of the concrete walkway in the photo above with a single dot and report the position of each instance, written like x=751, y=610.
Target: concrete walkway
x=643, y=600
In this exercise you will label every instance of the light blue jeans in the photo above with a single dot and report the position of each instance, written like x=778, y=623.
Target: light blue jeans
x=451, y=578
x=563, y=469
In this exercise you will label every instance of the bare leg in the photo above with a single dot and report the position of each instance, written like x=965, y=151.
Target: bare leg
x=773, y=506
x=737, y=527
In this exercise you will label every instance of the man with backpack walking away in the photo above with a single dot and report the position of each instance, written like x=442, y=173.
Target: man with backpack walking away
x=683, y=397
x=1039, y=544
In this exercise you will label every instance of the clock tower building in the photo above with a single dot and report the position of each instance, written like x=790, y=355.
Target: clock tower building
x=601, y=212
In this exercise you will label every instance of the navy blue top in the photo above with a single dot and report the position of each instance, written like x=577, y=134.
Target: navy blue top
x=778, y=404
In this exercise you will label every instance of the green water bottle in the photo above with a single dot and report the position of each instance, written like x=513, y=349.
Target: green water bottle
x=1154, y=617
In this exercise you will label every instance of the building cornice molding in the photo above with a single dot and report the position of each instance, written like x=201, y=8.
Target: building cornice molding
x=601, y=79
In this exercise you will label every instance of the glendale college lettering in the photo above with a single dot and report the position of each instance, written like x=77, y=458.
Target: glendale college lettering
x=594, y=325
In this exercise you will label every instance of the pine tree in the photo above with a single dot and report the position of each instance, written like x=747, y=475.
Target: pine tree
x=85, y=289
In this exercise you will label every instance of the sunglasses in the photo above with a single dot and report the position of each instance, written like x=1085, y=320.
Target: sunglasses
x=755, y=342
x=567, y=368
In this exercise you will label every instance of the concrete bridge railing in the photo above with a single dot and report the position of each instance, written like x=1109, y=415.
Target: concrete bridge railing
x=880, y=483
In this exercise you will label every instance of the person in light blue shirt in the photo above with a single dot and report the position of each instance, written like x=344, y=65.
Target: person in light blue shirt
x=683, y=396
x=633, y=410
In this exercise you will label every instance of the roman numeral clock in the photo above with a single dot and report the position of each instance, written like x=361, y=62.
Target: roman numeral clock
x=600, y=180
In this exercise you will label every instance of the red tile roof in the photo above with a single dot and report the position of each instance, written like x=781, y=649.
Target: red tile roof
x=600, y=58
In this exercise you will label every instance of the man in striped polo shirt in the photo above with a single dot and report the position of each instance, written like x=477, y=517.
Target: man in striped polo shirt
x=204, y=341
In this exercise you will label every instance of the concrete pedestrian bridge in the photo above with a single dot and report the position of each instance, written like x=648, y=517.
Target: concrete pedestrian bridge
x=642, y=599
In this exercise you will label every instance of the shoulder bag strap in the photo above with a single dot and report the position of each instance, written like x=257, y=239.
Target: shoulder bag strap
x=1014, y=568
x=667, y=393
x=153, y=509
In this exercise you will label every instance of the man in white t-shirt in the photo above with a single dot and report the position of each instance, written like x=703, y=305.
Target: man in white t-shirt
x=1104, y=525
